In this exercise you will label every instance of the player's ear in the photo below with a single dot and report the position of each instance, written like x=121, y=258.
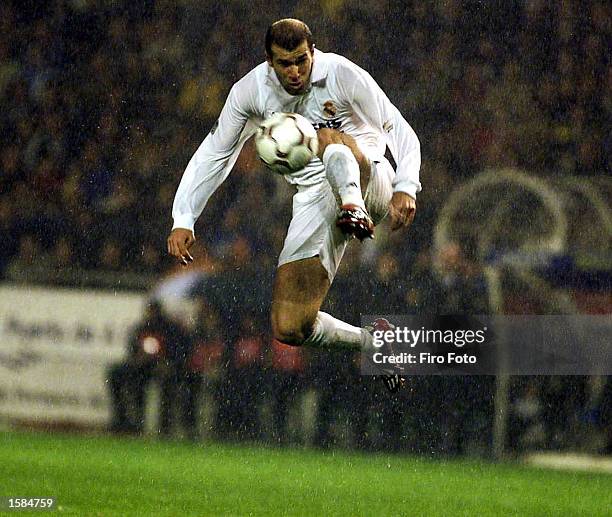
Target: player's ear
x=269, y=59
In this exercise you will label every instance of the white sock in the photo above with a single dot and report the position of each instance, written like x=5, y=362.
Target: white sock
x=342, y=172
x=330, y=333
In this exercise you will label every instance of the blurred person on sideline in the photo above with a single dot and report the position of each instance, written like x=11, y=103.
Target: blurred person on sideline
x=207, y=365
x=467, y=418
x=355, y=122
x=244, y=389
x=287, y=383
x=179, y=385
x=526, y=426
x=153, y=346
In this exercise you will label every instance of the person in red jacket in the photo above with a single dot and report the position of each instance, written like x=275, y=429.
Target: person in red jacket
x=155, y=343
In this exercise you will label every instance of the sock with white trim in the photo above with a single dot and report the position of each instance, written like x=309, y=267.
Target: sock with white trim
x=331, y=333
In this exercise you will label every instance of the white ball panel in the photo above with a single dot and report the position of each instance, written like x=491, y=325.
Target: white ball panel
x=304, y=126
x=286, y=142
x=266, y=148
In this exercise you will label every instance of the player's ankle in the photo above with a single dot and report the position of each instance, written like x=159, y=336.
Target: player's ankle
x=351, y=199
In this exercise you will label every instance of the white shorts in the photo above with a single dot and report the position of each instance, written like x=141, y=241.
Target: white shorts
x=313, y=232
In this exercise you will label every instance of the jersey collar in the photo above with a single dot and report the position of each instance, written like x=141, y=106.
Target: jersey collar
x=319, y=69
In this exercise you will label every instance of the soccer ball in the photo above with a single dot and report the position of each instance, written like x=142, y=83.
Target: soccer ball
x=286, y=142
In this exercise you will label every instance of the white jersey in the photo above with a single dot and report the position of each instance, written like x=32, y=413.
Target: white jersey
x=342, y=96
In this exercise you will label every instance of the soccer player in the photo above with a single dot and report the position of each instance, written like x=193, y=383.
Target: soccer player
x=355, y=121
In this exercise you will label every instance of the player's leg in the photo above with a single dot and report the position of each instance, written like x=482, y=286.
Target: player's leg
x=299, y=290
x=308, y=262
x=347, y=169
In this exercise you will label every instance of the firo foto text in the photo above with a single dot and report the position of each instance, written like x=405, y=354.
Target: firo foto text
x=424, y=358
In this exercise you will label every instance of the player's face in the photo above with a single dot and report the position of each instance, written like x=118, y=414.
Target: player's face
x=292, y=67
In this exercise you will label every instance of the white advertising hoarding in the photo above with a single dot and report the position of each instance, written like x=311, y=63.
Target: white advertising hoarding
x=55, y=348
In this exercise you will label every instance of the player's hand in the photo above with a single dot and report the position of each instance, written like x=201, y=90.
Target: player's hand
x=179, y=242
x=401, y=210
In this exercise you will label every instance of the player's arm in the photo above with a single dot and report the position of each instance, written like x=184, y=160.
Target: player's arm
x=376, y=109
x=207, y=169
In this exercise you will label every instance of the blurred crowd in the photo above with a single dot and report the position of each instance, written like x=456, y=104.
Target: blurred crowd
x=103, y=104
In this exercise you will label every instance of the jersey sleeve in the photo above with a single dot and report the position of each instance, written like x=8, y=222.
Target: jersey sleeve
x=371, y=103
x=212, y=162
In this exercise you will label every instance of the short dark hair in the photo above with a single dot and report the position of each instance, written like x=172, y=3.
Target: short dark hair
x=288, y=34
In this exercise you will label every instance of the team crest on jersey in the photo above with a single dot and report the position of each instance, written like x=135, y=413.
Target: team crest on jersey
x=330, y=110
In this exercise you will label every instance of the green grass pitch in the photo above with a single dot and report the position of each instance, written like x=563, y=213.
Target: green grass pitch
x=120, y=476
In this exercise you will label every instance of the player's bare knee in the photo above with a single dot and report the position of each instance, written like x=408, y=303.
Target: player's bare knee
x=291, y=332
x=288, y=334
